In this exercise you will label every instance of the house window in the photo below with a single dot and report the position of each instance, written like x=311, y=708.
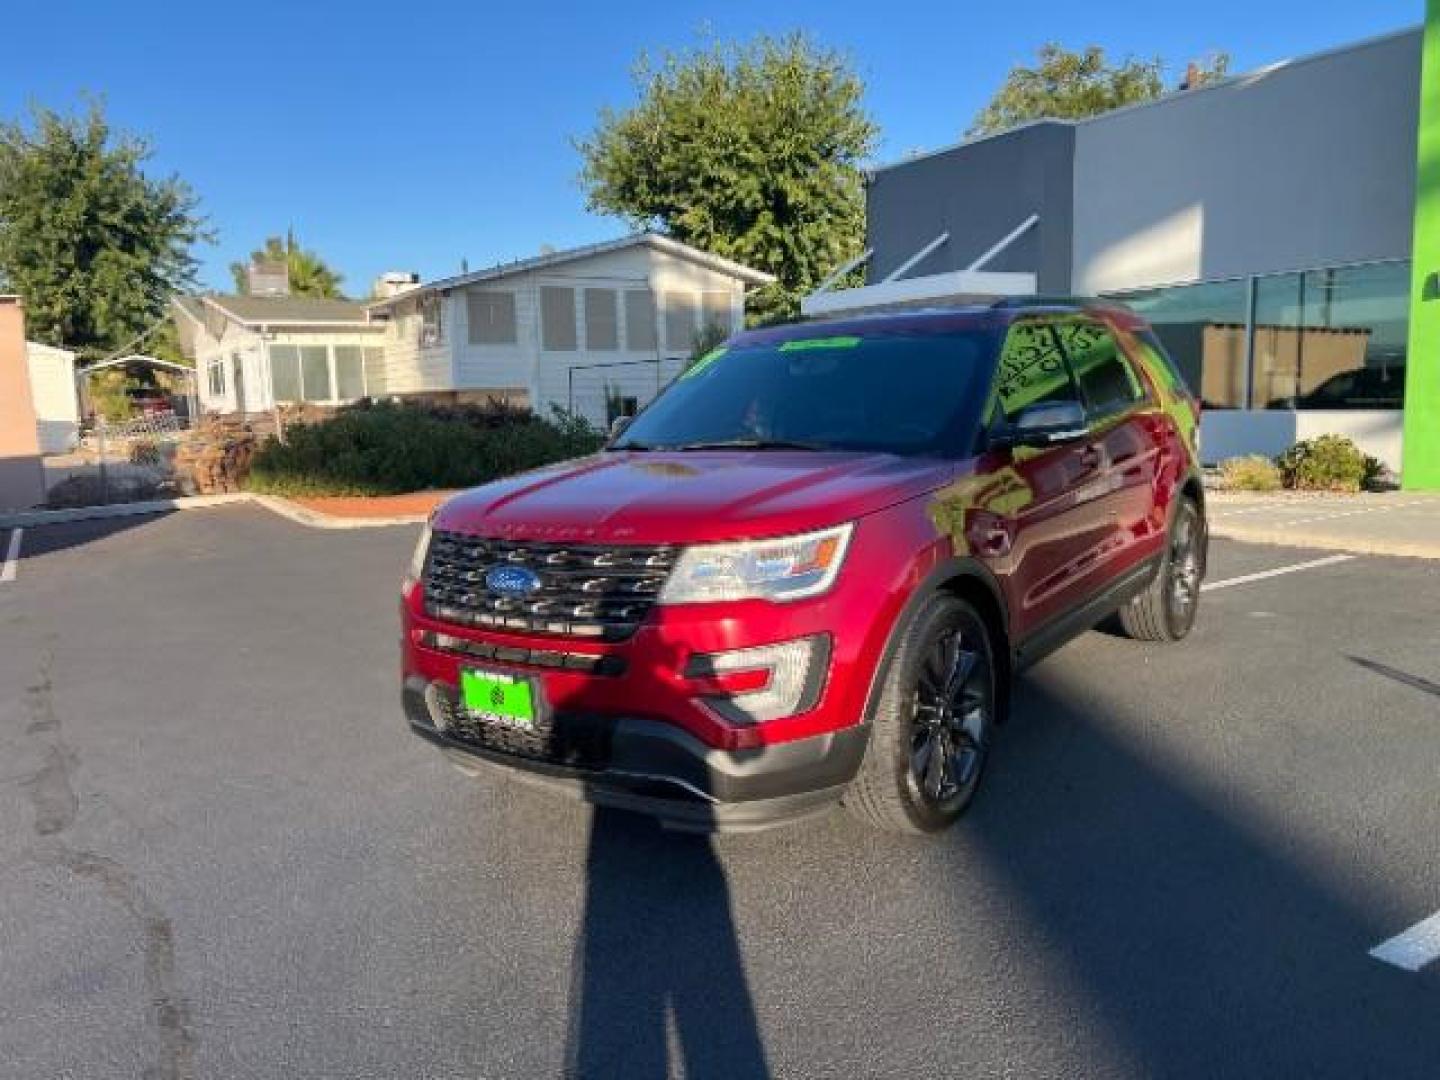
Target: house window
x=374, y=370
x=602, y=320
x=349, y=372
x=716, y=306
x=432, y=323
x=681, y=323
x=215, y=372
x=640, y=320
x=315, y=372
x=285, y=373
x=491, y=317
x=557, y=318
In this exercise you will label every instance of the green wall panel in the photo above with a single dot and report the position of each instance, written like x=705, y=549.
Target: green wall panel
x=1422, y=381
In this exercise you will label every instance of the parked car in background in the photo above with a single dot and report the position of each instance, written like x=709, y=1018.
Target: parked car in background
x=808, y=571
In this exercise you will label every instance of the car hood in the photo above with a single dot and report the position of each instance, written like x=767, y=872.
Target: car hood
x=690, y=497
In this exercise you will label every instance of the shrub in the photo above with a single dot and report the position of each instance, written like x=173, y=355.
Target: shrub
x=144, y=452
x=1378, y=476
x=386, y=449
x=1325, y=463
x=1252, y=473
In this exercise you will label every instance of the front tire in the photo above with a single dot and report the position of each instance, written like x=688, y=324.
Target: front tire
x=1165, y=611
x=930, y=734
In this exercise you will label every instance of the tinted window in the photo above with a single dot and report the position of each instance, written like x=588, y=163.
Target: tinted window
x=1032, y=370
x=1107, y=384
x=1203, y=330
x=918, y=393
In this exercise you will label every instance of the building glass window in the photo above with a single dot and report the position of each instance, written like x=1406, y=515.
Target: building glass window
x=681, y=321
x=557, y=318
x=374, y=370
x=640, y=320
x=1203, y=329
x=1332, y=338
x=717, y=311
x=491, y=316
x=602, y=320
x=315, y=372
x=349, y=372
x=432, y=323
x=285, y=372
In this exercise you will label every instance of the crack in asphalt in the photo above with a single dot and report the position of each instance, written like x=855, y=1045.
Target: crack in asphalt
x=55, y=803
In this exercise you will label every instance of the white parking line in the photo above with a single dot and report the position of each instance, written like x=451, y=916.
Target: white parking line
x=1245, y=579
x=12, y=556
x=1413, y=949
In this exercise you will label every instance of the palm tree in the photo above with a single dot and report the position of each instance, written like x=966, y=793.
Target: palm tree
x=309, y=275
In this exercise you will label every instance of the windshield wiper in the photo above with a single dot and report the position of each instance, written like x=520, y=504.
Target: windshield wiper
x=752, y=444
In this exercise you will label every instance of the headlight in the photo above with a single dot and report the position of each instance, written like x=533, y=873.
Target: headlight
x=417, y=560
x=785, y=568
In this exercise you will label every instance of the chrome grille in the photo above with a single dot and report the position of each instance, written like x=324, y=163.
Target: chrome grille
x=585, y=590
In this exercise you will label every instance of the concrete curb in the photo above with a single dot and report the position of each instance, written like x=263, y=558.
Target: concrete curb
x=1360, y=545
x=303, y=515
x=26, y=519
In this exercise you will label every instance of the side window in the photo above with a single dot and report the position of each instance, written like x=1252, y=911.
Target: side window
x=1032, y=370
x=1107, y=384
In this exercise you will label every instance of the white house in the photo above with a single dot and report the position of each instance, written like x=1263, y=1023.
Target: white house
x=614, y=321
x=253, y=351
x=52, y=389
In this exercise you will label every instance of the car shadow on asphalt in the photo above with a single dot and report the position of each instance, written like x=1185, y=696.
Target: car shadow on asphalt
x=658, y=955
x=1204, y=936
x=38, y=541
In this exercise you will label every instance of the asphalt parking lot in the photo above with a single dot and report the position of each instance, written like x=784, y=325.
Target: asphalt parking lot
x=224, y=856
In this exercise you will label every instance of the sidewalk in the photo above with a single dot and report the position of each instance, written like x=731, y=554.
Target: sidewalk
x=1394, y=523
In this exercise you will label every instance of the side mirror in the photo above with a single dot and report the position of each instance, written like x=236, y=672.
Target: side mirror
x=618, y=426
x=1047, y=424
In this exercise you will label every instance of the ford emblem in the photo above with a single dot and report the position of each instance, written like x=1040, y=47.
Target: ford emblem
x=511, y=581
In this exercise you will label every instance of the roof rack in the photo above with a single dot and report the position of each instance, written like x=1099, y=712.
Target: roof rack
x=1012, y=302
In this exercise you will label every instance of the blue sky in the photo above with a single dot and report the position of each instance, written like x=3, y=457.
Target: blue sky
x=395, y=136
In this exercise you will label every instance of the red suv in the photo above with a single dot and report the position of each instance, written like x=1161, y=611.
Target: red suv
x=808, y=570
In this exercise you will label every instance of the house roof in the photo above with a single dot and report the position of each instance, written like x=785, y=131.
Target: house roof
x=555, y=258
x=276, y=310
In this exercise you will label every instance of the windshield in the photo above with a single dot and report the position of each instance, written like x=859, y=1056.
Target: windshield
x=908, y=393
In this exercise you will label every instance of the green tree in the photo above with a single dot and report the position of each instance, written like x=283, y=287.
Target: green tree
x=94, y=245
x=751, y=151
x=1065, y=85
x=309, y=274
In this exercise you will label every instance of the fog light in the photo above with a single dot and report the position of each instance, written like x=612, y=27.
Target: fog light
x=793, y=676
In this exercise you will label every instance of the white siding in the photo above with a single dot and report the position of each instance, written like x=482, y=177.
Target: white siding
x=52, y=388
x=495, y=367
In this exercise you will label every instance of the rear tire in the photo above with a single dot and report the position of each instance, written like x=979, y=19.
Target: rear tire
x=930, y=734
x=1165, y=611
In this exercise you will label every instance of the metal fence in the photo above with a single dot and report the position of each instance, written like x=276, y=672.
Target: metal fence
x=161, y=427
x=602, y=392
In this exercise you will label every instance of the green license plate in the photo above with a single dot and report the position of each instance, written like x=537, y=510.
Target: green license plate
x=492, y=695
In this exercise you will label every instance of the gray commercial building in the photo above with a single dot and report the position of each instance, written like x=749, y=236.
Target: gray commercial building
x=1263, y=224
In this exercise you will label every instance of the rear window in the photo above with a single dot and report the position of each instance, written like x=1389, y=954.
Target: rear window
x=903, y=393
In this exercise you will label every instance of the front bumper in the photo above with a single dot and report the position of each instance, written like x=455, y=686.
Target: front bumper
x=659, y=769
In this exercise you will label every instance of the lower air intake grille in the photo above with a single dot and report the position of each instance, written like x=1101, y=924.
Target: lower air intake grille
x=573, y=740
